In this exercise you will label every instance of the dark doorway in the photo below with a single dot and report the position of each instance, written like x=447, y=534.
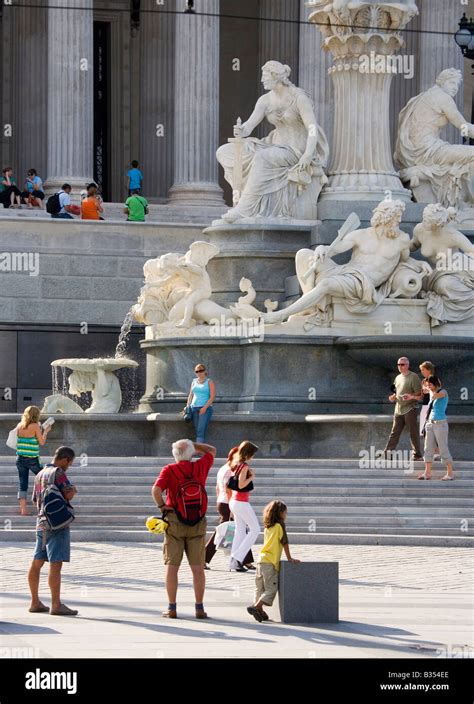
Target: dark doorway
x=102, y=107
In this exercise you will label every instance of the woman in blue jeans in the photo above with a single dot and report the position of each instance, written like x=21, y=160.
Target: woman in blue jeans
x=201, y=396
x=29, y=439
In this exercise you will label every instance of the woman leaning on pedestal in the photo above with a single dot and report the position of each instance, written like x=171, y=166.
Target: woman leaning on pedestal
x=201, y=397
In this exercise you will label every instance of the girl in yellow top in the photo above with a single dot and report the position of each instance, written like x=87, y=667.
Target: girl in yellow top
x=275, y=540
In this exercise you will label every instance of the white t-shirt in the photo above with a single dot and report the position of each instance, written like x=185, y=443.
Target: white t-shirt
x=64, y=199
x=223, y=476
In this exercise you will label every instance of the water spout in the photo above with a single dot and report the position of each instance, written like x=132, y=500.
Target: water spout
x=124, y=333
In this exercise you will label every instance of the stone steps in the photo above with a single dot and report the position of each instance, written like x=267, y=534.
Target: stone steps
x=113, y=212
x=305, y=538
x=330, y=501
x=263, y=475
x=277, y=488
x=8, y=502
x=295, y=510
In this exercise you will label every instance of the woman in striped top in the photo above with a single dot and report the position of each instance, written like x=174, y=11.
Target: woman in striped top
x=29, y=439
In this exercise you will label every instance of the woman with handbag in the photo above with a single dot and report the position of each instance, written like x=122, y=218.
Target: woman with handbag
x=241, y=483
x=427, y=369
x=29, y=438
x=223, y=494
x=200, y=399
x=437, y=430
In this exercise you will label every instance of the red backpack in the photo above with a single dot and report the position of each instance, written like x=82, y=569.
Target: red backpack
x=191, y=498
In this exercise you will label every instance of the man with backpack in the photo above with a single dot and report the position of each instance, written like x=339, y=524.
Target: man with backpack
x=59, y=205
x=52, y=493
x=185, y=512
x=136, y=207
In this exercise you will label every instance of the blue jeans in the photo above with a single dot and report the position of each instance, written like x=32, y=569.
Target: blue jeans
x=201, y=422
x=24, y=466
x=53, y=545
x=62, y=216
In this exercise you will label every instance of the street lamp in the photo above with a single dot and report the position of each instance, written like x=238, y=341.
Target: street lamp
x=464, y=38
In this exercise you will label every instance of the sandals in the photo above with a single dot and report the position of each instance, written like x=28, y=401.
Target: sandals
x=63, y=611
x=447, y=478
x=41, y=609
x=256, y=613
x=422, y=476
x=170, y=613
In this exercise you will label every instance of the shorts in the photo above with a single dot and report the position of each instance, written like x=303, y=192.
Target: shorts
x=58, y=545
x=33, y=194
x=266, y=583
x=180, y=539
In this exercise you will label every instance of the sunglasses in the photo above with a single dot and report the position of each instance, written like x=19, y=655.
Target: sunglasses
x=198, y=371
x=401, y=364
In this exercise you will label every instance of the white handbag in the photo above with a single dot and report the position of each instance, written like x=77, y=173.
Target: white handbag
x=12, y=439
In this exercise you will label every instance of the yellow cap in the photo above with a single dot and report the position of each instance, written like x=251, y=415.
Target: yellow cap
x=156, y=525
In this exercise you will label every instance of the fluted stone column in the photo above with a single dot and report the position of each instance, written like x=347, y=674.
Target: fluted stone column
x=6, y=85
x=30, y=24
x=156, y=103
x=361, y=166
x=440, y=51
x=405, y=88
x=70, y=94
x=278, y=41
x=196, y=102
x=313, y=67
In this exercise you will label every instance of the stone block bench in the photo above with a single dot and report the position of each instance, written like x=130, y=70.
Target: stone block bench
x=309, y=592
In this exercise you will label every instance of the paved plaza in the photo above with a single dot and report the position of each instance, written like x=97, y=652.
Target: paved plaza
x=395, y=602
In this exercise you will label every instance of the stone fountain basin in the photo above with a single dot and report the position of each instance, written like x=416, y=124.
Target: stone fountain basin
x=108, y=364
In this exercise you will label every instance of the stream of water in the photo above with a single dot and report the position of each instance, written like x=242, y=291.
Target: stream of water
x=124, y=333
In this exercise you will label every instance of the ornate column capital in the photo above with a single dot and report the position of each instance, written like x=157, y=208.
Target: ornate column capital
x=363, y=38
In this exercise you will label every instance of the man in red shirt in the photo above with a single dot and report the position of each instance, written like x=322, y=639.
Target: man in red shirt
x=185, y=507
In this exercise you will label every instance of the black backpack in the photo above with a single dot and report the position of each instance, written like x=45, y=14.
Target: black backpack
x=53, y=206
x=54, y=508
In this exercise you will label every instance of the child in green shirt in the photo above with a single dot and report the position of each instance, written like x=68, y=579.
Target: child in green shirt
x=136, y=207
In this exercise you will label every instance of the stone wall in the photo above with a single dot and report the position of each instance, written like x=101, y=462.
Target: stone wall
x=281, y=435
x=87, y=271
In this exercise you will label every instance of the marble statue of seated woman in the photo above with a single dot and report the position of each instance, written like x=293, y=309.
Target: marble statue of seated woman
x=282, y=174
x=437, y=172
x=450, y=288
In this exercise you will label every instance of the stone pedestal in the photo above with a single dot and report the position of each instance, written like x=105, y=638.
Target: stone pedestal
x=264, y=253
x=309, y=592
x=196, y=113
x=363, y=43
x=309, y=373
x=70, y=95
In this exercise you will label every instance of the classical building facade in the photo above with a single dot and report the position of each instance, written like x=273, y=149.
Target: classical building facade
x=87, y=88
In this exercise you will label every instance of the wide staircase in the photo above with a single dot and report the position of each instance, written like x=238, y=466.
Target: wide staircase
x=329, y=501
